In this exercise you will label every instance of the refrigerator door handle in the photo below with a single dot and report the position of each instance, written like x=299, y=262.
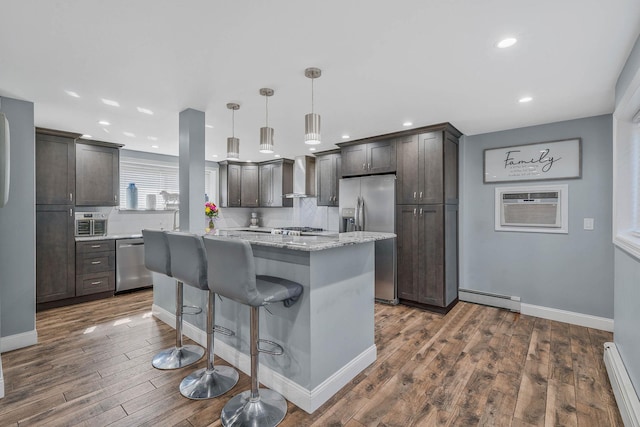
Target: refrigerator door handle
x=356, y=214
x=361, y=214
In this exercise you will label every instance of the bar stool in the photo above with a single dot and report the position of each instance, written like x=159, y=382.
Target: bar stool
x=232, y=274
x=189, y=265
x=158, y=258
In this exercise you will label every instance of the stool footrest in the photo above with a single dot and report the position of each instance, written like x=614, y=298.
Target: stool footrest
x=224, y=331
x=279, y=350
x=195, y=308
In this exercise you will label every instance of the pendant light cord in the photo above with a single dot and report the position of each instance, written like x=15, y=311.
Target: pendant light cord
x=312, y=95
x=266, y=107
x=233, y=123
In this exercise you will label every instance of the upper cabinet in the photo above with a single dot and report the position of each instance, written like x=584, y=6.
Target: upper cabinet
x=369, y=158
x=97, y=174
x=249, y=188
x=276, y=180
x=427, y=168
x=238, y=185
x=55, y=168
x=328, y=173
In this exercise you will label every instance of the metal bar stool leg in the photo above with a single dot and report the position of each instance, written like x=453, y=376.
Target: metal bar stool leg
x=180, y=355
x=211, y=381
x=258, y=406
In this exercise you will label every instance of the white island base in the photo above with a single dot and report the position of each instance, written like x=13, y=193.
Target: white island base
x=327, y=335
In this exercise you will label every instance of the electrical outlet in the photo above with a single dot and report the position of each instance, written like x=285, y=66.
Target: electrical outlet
x=588, y=223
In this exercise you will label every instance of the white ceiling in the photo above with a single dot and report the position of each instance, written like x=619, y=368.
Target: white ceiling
x=383, y=63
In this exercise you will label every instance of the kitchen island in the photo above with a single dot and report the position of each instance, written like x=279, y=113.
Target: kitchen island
x=328, y=335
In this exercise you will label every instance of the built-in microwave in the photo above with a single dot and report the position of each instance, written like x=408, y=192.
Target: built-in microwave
x=91, y=224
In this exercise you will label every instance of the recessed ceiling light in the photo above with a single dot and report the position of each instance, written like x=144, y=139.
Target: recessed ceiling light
x=312, y=149
x=407, y=123
x=86, y=136
x=248, y=161
x=110, y=102
x=525, y=99
x=104, y=123
x=72, y=93
x=106, y=130
x=209, y=126
x=276, y=155
x=508, y=42
x=215, y=155
x=345, y=137
x=155, y=146
x=152, y=138
x=145, y=111
x=129, y=134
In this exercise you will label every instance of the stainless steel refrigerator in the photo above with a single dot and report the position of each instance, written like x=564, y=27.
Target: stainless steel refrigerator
x=368, y=203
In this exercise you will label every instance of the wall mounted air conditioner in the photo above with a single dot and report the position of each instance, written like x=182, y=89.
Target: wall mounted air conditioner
x=4, y=160
x=541, y=209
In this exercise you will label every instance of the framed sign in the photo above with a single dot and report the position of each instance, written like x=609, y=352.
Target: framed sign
x=538, y=161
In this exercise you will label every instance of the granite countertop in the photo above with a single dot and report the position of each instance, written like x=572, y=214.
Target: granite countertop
x=305, y=243
x=109, y=237
x=268, y=230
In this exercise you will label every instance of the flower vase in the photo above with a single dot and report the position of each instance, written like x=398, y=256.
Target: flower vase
x=211, y=227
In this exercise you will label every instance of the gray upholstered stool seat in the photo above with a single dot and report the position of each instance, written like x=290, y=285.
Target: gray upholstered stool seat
x=232, y=274
x=158, y=258
x=189, y=265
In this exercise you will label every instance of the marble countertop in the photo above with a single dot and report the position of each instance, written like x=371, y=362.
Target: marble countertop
x=108, y=237
x=305, y=243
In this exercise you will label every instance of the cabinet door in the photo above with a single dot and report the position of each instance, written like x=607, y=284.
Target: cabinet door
x=234, y=178
x=407, y=230
x=337, y=175
x=407, y=190
x=381, y=157
x=97, y=175
x=431, y=188
x=249, y=196
x=431, y=258
x=276, y=185
x=55, y=253
x=266, y=184
x=55, y=170
x=450, y=169
x=354, y=160
x=325, y=179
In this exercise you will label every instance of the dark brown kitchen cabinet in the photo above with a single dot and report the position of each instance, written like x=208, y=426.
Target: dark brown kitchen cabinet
x=369, y=158
x=276, y=180
x=427, y=168
x=55, y=169
x=95, y=267
x=249, y=188
x=427, y=255
x=55, y=253
x=328, y=173
x=97, y=174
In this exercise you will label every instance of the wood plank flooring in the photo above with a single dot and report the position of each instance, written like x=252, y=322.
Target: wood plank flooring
x=476, y=365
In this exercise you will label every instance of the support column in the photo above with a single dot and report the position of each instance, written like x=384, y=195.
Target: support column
x=191, y=172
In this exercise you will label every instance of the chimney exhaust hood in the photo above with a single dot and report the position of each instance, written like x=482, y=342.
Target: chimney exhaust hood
x=304, y=177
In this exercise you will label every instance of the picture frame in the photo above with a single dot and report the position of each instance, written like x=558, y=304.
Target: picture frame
x=538, y=161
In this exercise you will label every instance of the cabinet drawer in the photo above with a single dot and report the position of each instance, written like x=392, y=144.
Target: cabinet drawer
x=96, y=263
x=95, y=246
x=95, y=283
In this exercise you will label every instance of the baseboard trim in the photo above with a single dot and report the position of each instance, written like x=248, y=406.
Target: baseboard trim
x=305, y=399
x=626, y=397
x=571, y=317
x=1, y=380
x=486, y=298
x=16, y=341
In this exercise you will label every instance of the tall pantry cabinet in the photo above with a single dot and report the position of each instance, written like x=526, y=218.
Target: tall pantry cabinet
x=427, y=217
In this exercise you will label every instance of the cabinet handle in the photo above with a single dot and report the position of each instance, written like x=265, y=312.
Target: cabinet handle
x=96, y=283
x=256, y=201
x=364, y=166
x=414, y=211
x=420, y=211
x=421, y=195
x=115, y=197
x=96, y=246
x=96, y=262
x=71, y=212
x=414, y=195
x=369, y=166
x=71, y=197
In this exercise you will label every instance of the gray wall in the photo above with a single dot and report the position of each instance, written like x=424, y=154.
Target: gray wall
x=17, y=225
x=570, y=272
x=627, y=269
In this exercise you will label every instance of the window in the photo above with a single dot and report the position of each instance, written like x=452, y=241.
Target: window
x=154, y=177
x=626, y=175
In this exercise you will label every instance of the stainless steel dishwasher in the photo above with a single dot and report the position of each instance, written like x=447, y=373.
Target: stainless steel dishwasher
x=130, y=270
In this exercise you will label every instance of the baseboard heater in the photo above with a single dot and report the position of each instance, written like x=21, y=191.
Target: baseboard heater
x=626, y=397
x=486, y=298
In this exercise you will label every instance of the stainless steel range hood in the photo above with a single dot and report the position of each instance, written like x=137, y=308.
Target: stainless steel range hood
x=304, y=177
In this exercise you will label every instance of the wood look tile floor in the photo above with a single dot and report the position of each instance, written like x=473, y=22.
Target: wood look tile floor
x=475, y=366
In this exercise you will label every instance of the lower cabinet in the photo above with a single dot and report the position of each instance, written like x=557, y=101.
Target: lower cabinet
x=95, y=267
x=55, y=253
x=427, y=255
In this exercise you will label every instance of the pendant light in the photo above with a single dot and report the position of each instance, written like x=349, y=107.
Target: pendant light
x=312, y=120
x=266, y=133
x=233, y=143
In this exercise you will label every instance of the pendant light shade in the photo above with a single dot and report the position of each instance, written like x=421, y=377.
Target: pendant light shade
x=312, y=120
x=266, y=133
x=233, y=143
